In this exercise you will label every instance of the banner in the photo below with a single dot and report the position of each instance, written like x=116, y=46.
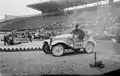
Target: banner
x=88, y=5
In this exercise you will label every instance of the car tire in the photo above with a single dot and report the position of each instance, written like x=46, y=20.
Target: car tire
x=57, y=50
x=46, y=49
x=89, y=48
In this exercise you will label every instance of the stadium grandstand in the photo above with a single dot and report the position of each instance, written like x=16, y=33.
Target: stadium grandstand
x=51, y=8
x=54, y=11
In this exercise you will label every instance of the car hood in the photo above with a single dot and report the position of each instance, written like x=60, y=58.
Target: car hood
x=63, y=36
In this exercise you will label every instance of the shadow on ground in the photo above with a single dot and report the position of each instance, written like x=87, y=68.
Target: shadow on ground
x=73, y=53
x=115, y=72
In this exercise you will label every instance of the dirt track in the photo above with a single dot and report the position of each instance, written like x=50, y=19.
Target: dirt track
x=36, y=62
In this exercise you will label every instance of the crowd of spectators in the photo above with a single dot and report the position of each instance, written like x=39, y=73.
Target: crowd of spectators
x=44, y=32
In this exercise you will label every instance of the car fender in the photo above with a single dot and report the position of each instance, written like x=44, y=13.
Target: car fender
x=58, y=41
x=46, y=41
x=91, y=39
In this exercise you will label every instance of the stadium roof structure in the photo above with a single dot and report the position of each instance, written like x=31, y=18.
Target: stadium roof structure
x=40, y=20
x=58, y=5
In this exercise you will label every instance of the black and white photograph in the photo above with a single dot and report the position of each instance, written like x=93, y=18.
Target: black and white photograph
x=59, y=37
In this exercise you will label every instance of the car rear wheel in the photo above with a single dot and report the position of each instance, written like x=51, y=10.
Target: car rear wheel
x=58, y=50
x=89, y=47
x=46, y=49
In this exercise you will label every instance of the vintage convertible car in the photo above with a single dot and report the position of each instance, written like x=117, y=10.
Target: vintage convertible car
x=58, y=44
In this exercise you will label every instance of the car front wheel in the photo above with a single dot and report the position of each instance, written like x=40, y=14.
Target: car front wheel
x=46, y=49
x=57, y=50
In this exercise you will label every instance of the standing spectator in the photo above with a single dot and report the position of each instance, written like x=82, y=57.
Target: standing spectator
x=41, y=30
x=29, y=35
x=8, y=39
x=5, y=39
x=11, y=38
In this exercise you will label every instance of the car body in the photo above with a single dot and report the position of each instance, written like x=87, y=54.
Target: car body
x=67, y=41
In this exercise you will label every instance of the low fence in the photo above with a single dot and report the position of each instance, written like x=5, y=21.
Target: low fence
x=31, y=46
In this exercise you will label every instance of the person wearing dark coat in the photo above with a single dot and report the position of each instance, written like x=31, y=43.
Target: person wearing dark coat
x=9, y=39
x=29, y=36
x=5, y=40
x=78, y=32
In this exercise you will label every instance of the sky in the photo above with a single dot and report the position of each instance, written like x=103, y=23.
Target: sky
x=17, y=7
